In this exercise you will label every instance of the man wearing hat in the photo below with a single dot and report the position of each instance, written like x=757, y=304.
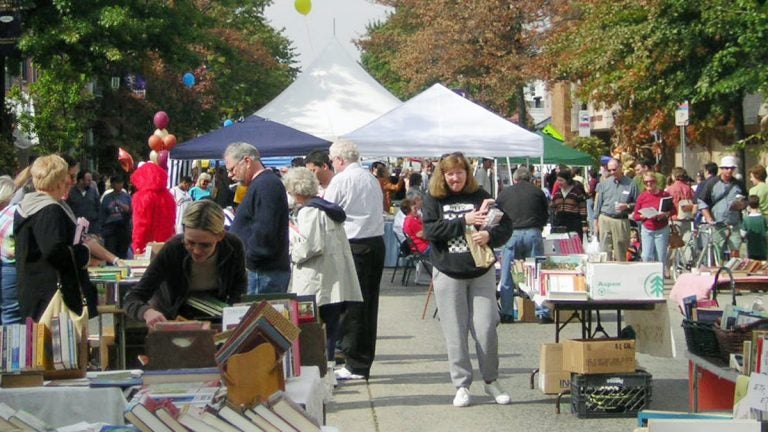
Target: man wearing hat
x=484, y=176
x=722, y=201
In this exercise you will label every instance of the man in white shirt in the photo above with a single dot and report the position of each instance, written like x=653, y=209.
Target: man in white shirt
x=484, y=176
x=181, y=195
x=358, y=192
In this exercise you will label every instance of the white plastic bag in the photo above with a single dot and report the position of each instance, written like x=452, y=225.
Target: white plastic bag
x=593, y=247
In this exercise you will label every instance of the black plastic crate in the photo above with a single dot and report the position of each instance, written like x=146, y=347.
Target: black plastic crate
x=610, y=395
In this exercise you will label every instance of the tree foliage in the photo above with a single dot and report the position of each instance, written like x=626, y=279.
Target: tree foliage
x=645, y=57
x=482, y=47
x=239, y=62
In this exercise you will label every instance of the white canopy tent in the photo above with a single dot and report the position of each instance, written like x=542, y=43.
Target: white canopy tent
x=439, y=121
x=332, y=97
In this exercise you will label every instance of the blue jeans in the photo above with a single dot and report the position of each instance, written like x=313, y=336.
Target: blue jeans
x=524, y=243
x=10, y=295
x=654, y=244
x=266, y=282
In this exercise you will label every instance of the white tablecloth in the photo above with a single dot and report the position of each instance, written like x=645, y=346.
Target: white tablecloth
x=63, y=406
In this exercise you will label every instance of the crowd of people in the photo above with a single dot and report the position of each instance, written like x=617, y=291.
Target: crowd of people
x=317, y=228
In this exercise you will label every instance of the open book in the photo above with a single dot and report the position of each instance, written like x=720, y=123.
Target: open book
x=665, y=205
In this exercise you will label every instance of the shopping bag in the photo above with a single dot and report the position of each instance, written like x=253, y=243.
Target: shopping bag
x=483, y=255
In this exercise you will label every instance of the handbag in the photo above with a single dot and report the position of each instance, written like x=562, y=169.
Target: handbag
x=675, y=238
x=483, y=255
x=58, y=306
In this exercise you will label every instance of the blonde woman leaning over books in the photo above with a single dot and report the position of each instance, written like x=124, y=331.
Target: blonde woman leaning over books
x=203, y=260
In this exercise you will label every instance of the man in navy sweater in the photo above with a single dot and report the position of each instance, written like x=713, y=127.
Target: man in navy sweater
x=261, y=220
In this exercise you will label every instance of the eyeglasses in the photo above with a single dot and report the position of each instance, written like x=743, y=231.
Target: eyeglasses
x=612, y=170
x=231, y=170
x=202, y=246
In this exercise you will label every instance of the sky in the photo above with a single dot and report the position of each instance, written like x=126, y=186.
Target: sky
x=311, y=33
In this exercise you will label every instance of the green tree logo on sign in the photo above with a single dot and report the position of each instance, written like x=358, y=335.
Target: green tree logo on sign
x=654, y=285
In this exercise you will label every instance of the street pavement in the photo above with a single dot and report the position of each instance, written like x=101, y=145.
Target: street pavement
x=410, y=389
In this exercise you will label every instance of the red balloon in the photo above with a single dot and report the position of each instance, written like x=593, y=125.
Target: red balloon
x=125, y=159
x=155, y=142
x=169, y=141
x=161, y=120
x=162, y=159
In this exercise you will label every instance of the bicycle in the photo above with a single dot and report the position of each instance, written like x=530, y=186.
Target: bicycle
x=694, y=254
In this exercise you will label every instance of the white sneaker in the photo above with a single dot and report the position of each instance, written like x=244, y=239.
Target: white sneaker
x=344, y=374
x=495, y=391
x=462, y=397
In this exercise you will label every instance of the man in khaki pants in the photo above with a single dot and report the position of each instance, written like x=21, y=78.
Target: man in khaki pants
x=614, y=202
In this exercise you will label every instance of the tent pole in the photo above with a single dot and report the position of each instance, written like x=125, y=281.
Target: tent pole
x=509, y=170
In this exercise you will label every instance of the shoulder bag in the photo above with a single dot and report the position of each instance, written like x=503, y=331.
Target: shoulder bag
x=57, y=306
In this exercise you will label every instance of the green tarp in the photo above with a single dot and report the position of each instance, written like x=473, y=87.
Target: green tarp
x=556, y=152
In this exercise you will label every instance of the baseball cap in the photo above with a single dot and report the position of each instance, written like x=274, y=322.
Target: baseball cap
x=729, y=162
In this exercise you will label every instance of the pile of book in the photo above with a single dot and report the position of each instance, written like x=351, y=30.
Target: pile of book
x=208, y=305
x=278, y=414
x=24, y=347
x=746, y=265
x=12, y=419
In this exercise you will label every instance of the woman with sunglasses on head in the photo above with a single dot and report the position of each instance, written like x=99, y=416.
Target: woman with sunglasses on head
x=204, y=259
x=465, y=293
x=654, y=223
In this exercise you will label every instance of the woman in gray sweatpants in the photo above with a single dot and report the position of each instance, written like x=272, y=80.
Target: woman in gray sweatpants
x=465, y=293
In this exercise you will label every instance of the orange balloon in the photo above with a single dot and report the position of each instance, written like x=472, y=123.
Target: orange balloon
x=155, y=143
x=169, y=141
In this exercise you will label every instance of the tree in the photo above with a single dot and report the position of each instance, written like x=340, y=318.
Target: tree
x=482, y=47
x=645, y=57
x=240, y=63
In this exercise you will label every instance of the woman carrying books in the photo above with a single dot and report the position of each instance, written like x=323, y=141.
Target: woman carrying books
x=653, y=209
x=204, y=259
x=465, y=293
x=321, y=258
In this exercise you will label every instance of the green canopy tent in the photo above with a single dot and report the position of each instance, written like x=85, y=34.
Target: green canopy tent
x=556, y=152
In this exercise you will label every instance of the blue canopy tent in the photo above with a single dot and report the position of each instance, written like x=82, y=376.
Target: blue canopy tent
x=271, y=138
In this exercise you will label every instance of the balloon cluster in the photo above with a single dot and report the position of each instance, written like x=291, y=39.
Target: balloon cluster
x=161, y=142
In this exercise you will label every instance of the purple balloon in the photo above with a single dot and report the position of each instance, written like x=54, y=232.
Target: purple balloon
x=162, y=159
x=161, y=120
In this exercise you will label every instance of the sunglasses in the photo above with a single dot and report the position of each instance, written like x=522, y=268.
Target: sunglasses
x=454, y=154
x=649, y=181
x=612, y=170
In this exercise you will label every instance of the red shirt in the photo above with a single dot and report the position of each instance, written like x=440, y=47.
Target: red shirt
x=679, y=191
x=411, y=226
x=647, y=199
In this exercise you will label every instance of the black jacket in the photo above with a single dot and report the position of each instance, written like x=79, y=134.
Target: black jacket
x=525, y=204
x=45, y=255
x=165, y=284
x=444, y=227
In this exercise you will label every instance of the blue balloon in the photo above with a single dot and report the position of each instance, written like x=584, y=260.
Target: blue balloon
x=228, y=122
x=189, y=79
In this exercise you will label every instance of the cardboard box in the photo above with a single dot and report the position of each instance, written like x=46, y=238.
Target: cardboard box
x=625, y=281
x=526, y=309
x=554, y=382
x=598, y=356
x=552, y=378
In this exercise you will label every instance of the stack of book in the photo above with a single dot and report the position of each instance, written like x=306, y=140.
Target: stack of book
x=209, y=306
x=278, y=414
x=25, y=347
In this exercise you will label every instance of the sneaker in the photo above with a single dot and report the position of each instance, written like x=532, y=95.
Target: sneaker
x=462, y=397
x=495, y=391
x=344, y=374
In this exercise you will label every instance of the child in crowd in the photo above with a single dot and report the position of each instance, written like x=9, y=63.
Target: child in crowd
x=633, y=250
x=753, y=230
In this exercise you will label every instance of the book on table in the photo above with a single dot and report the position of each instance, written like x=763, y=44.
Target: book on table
x=146, y=419
x=194, y=424
x=217, y=423
x=237, y=419
x=291, y=412
x=170, y=420
x=260, y=421
x=271, y=417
